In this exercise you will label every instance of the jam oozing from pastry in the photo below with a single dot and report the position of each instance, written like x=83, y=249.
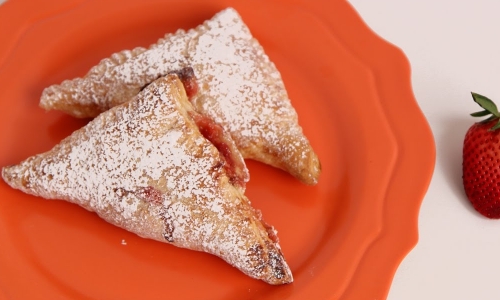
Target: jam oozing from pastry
x=213, y=132
x=271, y=233
x=234, y=165
x=186, y=75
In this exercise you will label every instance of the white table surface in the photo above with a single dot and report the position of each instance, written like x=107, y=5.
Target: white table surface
x=453, y=48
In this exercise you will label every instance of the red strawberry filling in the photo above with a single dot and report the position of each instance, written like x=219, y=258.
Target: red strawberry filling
x=186, y=75
x=213, y=132
x=149, y=194
x=234, y=165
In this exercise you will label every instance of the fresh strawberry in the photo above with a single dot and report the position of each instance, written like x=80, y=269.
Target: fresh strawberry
x=481, y=160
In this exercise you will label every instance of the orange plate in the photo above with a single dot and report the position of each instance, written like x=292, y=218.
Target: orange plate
x=343, y=238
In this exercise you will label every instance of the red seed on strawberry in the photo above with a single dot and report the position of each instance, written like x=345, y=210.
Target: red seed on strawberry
x=481, y=160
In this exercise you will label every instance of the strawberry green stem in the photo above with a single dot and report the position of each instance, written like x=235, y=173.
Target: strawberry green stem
x=489, y=109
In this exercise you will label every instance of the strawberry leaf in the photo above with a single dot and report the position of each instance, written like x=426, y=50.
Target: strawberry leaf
x=486, y=103
x=480, y=113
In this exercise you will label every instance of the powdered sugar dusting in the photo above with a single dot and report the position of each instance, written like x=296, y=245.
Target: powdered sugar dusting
x=240, y=88
x=227, y=58
x=145, y=167
x=129, y=148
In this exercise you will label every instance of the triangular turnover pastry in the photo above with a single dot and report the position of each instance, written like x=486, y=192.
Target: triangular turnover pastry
x=240, y=88
x=144, y=166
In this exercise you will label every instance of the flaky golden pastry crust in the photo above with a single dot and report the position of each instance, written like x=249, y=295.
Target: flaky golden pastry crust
x=240, y=88
x=145, y=167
